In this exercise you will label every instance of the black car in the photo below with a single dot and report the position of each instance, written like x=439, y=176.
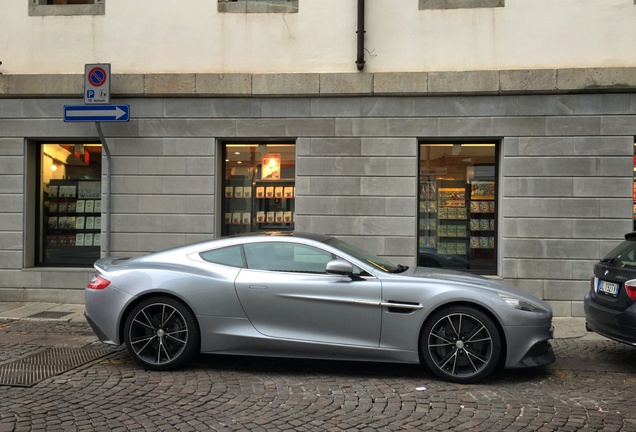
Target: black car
x=610, y=306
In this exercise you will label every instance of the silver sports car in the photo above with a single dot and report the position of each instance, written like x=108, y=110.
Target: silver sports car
x=313, y=296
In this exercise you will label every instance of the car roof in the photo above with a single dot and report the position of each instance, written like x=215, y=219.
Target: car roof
x=203, y=245
x=299, y=234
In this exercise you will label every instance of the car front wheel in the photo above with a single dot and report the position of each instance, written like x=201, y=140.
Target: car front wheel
x=161, y=333
x=461, y=344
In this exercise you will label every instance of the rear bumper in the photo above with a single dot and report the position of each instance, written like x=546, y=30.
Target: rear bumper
x=619, y=325
x=98, y=331
x=103, y=309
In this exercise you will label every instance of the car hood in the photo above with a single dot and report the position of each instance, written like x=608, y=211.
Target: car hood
x=469, y=280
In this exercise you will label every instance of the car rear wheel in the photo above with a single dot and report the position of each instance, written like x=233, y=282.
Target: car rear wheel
x=461, y=344
x=161, y=333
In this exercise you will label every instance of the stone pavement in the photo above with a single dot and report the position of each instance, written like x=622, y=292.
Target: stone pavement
x=588, y=388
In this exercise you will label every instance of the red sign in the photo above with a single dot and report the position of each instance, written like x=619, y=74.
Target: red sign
x=97, y=76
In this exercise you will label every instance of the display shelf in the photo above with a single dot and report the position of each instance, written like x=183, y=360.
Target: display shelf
x=452, y=228
x=72, y=221
x=274, y=205
x=258, y=206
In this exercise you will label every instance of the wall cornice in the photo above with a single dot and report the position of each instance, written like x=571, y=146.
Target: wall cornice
x=535, y=81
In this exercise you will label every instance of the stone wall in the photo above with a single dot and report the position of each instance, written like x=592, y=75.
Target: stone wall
x=565, y=163
x=494, y=82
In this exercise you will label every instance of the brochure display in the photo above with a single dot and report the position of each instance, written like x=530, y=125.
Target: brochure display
x=260, y=205
x=72, y=222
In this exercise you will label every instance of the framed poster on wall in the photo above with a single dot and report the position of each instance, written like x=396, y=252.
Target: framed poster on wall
x=270, y=167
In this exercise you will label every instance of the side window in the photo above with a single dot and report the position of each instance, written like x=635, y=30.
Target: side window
x=286, y=257
x=66, y=7
x=229, y=256
x=258, y=6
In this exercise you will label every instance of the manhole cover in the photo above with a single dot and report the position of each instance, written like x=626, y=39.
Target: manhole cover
x=50, y=314
x=32, y=369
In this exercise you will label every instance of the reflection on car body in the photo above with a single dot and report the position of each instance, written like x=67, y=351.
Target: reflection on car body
x=314, y=296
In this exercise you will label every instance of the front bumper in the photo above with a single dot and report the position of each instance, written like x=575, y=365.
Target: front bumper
x=529, y=347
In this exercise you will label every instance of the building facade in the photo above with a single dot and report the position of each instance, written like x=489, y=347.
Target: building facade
x=460, y=134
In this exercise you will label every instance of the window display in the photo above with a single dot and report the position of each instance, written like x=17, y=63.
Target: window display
x=457, y=208
x=70, y=205
x=259, y=188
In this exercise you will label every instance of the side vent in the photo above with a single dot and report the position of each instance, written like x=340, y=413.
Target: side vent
x=401, y=307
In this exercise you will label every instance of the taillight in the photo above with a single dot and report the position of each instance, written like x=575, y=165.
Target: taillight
x=98, y=283
x=630, y=289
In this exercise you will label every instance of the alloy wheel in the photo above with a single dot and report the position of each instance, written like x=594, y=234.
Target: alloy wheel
x=158, y=334
x=462, y=345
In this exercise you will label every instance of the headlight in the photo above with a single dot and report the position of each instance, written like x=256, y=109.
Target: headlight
x=520, y=304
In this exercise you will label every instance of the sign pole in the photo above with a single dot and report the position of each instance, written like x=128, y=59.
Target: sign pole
x=106, y=224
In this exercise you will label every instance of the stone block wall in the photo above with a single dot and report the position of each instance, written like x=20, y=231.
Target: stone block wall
x=565, y=165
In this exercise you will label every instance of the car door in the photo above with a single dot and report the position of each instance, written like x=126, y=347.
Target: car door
x=286, y=293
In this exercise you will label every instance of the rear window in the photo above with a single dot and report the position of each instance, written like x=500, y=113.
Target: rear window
x=623, y=255
x=229, y=256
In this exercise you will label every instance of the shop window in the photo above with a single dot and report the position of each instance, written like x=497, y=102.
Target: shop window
x=68, y=224
x=66, y=7
x=258, y=6
x=458, y=206
x=258, y=187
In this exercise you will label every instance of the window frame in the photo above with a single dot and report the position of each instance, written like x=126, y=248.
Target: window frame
x=258, y=6
x=460, y=4
x=35, y=230
x=42, y=8
x=257, y=206
x=476, y=259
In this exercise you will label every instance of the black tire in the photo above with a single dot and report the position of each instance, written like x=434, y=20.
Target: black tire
x=161, y=333
x=460, y=344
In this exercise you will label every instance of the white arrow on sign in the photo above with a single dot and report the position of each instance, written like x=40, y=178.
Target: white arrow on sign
x=95, y=113
x=117, y=113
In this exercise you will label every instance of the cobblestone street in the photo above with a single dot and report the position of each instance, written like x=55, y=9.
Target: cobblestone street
x=588, y=388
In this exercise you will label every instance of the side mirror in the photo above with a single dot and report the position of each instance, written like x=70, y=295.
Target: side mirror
x=339, y=267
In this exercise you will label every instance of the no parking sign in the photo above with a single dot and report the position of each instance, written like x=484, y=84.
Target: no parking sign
x=97, y=84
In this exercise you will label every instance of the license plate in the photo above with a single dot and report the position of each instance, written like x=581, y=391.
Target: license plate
x=608, y=288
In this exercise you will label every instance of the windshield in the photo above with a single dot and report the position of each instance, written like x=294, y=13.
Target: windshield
x=367, y=257
x=623, y=255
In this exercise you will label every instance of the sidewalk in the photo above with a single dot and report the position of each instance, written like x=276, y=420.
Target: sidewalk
x=42, y=311
x=564, y=328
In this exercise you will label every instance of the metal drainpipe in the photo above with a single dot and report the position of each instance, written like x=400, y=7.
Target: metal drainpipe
x=360, y=61
x=106, y=223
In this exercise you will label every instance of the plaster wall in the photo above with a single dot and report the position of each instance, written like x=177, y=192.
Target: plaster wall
x=161, y=36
